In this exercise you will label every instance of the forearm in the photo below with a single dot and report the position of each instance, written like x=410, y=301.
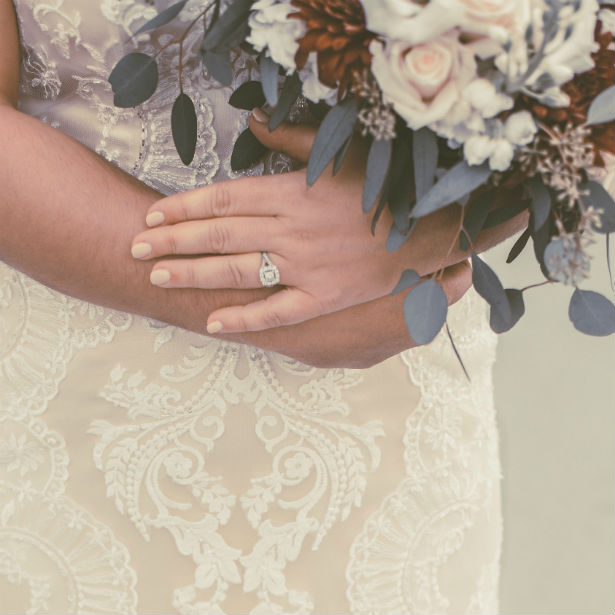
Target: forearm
x=68, y=219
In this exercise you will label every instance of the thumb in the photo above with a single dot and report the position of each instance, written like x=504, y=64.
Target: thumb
x=295, y=140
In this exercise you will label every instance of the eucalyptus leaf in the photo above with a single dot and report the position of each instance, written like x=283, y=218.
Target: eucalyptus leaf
x=489, y=287
x=462, y=179
x=341, y=154
x=503, y=214
x=378, y=161
x=425, y=309
x=247, y=151
x=519, y=246
x=475, y=215
x=227, y=24
x=541, y=239
x=602, y=108
x=133, y=79
x=337, y=126
x=599, y=198
x=269, y=79
x=396, y=238
x=540, y=200
x=219, y=66
x=592, y=313
x=401, y=183
x=517, y=309
x=164, y=17
x=381, y=205
x=184, y=127
x=408, y=278
x=290, y=92
x=425, y=157
x=247, y=96
x=608, y=258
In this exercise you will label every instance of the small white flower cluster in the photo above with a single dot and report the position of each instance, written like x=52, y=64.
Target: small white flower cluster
x=456, y=65
x=273, y=30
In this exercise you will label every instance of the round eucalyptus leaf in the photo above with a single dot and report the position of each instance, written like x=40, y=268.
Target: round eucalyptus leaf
x=592, y=313
x=408, y=278
x=555, y=253
x=489, y=287
x=133, y=79
x=425, y=309
x=517, y=309
x=184, y=127
x=602, y=108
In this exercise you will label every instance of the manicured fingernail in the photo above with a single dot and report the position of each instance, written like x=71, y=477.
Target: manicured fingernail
x=141, y=250
x=259, y=115
x=214, y=327
x=159, y=276
x=154, y=219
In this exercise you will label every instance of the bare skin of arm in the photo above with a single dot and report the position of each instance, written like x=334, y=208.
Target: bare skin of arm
x=68, y=219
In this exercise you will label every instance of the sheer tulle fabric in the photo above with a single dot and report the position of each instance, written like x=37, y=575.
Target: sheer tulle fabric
x=122, y=489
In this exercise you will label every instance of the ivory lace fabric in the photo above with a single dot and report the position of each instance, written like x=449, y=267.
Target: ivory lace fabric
x=147, y=469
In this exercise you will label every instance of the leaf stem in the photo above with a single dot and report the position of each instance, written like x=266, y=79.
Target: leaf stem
x=538, y=285
x=439, y=271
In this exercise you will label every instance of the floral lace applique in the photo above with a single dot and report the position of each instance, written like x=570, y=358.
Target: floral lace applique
x=314, y=459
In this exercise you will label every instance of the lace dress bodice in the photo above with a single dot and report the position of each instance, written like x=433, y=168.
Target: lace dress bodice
x=148, y=469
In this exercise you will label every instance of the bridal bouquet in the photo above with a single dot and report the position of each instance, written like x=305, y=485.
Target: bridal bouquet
x=499, y=106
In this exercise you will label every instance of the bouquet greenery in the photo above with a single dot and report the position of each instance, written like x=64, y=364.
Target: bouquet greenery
x=475, y=102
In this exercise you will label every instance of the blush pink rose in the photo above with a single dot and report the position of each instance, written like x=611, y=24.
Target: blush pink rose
x=423, y=82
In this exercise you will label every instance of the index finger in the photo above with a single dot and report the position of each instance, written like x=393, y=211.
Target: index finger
x=265, y=195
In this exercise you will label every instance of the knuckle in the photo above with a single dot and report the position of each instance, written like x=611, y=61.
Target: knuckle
x=218, y=237
x=235, y=275
x=220, y=201
x=172, y=241
x=190, y=275
x=183, y=212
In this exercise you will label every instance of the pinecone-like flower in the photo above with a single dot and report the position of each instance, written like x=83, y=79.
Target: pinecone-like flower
x=336, y=31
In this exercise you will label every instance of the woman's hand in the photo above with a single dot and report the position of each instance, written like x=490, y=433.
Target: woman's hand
x=318, y=237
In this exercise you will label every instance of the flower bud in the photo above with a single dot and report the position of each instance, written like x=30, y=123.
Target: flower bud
x=520, y=128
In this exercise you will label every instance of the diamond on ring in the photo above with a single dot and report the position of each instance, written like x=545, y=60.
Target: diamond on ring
x=268, y=273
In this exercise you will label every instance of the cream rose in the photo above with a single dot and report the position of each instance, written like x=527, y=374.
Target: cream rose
x=423, y=82
x=408, y=21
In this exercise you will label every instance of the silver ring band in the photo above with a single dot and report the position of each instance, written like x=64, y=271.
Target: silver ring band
x=268, y=273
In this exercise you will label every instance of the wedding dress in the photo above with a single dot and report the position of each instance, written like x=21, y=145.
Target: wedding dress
x=148, y=469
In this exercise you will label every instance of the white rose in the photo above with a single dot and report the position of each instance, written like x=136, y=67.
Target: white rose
x=502, y=155
x=423, y=82
x=408, y=21
x=483, y=96
x=270, y=28
x=478, y=148
x=520, y=128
